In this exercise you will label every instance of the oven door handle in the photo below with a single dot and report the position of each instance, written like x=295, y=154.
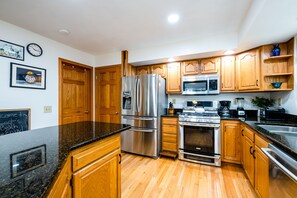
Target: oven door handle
x=199, y=125
x=198, y=155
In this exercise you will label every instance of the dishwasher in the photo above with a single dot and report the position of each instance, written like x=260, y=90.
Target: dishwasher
x=282, y=173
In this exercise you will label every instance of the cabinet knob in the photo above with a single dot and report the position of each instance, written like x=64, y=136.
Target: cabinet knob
x=116, y=113
x=257, y=83
x=86, y=112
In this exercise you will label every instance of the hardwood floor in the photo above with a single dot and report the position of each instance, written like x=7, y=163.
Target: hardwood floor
x=147, y=177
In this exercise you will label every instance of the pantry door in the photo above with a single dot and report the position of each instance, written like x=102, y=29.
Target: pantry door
x=108, y=94
x=75, y=92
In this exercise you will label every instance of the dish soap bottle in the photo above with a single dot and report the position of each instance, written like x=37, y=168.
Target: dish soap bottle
x=171, y=109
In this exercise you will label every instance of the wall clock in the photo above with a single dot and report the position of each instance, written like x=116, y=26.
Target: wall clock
x=34, y=49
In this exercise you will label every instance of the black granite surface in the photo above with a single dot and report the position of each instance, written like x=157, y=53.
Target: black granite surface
x=44, y=151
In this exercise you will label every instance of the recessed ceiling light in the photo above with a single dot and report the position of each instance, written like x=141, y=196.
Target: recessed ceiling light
x=171, y=59
x=173, y=18
x=64, y=32
x=229, y=52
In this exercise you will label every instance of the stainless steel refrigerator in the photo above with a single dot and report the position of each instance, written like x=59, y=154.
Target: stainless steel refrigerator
x=143, y=101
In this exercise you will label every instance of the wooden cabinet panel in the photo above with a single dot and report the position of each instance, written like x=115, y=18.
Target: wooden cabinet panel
x=99, y=179
x=169, y=138
x=170, y=121
x=169, y=129
x=159, y=69
x=169, y=134
x=62, y=187
x=167, y=146
x=261, y=173
x=248, y=70
x=249, y=166
x=249, y=133
x=228, y=74
x=190, y=68
x=210, y=65
x=142, y=70
x=173, y=84
x=231, y=135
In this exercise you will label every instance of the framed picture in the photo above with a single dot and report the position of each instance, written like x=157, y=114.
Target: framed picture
x=25, y=76
x=27, y=160
x=11, y=50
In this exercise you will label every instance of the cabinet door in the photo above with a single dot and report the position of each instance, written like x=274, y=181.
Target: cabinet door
x=169, y=134
x=261, y=174
x=62, y=187
x=142, y=70
x=249, y=166
x=159, y=69
x=210, y=65
x=173, y=79
x=242, y=144
x=190, y=68
x=228, y=74
x=231, y=141
x=248, y=70
x=99, y=179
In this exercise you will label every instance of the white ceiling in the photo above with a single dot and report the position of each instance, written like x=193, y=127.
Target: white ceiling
x=102, y=27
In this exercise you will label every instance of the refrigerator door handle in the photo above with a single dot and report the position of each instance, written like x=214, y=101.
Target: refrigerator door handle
x=142, y=130
x=137, y=94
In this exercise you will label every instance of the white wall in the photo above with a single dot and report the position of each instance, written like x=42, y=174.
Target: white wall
x=289, y=99
x=12, y=98
x=181, y=100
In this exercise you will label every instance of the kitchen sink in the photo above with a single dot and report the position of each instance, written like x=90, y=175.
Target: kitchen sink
x=279, y=129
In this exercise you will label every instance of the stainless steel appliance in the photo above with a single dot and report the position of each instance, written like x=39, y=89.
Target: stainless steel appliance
x=282, y=173
x=199, y=134
x=143, y=101
x=196, y=85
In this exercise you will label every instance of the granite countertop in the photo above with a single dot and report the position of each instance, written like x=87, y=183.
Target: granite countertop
x=287, y=142
x=31, y=160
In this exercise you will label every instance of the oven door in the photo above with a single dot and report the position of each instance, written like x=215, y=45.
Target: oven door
x=200, y=142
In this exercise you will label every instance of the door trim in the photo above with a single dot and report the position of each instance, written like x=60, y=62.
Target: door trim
x=60, y=84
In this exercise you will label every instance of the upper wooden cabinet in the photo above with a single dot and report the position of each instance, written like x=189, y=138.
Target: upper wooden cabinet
x=248, y=70
x=159, y=69
x=231, y=138
x=173, y=84
x=228, y=74
x=143, y=70
x=190, y=67
x=210, y=65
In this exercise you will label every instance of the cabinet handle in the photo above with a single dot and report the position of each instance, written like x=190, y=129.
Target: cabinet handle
x=120, y=158
x=222, y=85
x=254, y=154
x=242, y=130
x=251, y=150
x=257, y=83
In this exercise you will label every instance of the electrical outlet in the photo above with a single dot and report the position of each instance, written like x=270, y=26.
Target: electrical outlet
x=173, y=100
x=279, y=102
x=47, y=109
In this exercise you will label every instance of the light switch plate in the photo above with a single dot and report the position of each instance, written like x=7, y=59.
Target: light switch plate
x=47, y=109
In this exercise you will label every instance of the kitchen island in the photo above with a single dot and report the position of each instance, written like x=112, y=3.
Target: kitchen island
x=33, y=162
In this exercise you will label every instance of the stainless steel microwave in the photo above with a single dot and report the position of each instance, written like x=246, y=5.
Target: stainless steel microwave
x=201, y=85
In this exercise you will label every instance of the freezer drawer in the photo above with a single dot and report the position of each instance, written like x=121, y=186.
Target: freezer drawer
x=141, y=141
x=141, y=122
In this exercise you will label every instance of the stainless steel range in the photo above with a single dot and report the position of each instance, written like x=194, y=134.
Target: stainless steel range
x=199, y=133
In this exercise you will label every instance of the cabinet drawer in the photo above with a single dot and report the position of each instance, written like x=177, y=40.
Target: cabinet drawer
x=170, y=121
x=169, y=146
x=249, y=133
x=169, y=138
x=95, y=151
x=169, y=129
x=260, y=142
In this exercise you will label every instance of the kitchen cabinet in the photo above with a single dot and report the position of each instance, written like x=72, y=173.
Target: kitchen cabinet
x=62, y=186
x=173, y=84
x=210, y=65
x=255, y=162
x=231, y=141
x=228, y=74
x=278, y=68
x=143, y=70
x=190, y=67
x=159, y=69
x=248, y=70
x=169, y=136
x=96, y=171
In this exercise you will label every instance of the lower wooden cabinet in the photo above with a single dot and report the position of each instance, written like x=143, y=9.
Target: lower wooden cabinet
x=99, y=179
x=261, y=173
x=169, y=135
x=231, y=139
x=248, y=163
x=95, y=171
